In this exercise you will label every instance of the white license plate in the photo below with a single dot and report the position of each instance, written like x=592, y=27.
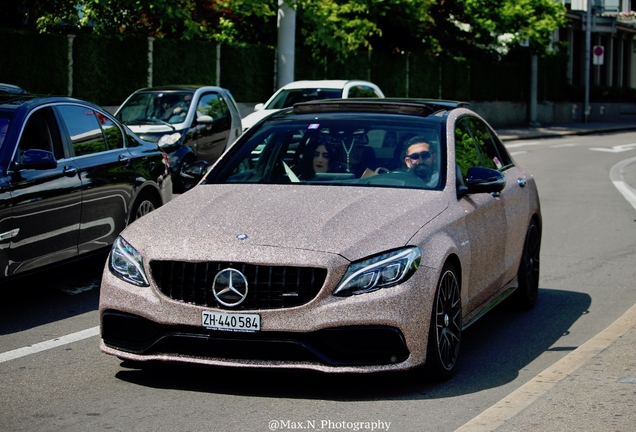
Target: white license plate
x=231, y=322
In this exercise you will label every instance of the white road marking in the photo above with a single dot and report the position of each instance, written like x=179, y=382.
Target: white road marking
x=517, y=153
x=616, y=176
x=46, y=345
x=565, y=145
x=498, y=414
x=615, y=149
x=523, y=144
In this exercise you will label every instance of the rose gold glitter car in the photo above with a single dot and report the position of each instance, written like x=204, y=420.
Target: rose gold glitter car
x=340, y=236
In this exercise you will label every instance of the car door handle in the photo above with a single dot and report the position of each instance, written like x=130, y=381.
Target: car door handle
x=69, y=171
x=522, y=182
x=124, y=159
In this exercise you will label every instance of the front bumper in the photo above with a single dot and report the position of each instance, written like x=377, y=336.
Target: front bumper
x=340, y=346
x=379, y=331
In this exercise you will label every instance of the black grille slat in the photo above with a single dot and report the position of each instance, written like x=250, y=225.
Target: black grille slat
x=270, y=287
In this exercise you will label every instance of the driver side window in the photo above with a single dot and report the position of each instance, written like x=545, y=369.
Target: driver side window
x=212, y=105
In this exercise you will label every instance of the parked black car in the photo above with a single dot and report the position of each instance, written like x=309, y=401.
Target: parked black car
x=71, y=178
x=189, y=122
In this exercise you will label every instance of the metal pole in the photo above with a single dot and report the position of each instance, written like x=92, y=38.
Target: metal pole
x=588, y=49
x=286, y=43
x=534, y=72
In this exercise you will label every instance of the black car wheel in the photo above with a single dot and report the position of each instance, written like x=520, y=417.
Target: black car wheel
x=446, y=327
x=528, y=276
x=145, y=204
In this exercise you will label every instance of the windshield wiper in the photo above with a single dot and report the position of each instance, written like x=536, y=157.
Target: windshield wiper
x=149, y=121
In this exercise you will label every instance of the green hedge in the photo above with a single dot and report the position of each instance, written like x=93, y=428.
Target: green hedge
x=388, y=72
x=424, y=77
x=106, y=71
x=248, y=72
x=37, y=63
x=183, y=62
x=456, y=79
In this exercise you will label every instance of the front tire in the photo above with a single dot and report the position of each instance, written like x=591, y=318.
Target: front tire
x=528, y=276
x=144, y=204
x=446, y=327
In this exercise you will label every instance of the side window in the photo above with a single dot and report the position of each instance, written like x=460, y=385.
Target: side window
x=362, y=91
x=489, y=153
x=211, y=104
x=84, y=129
x=114, y=137
x=466, y=155
x=41, y=133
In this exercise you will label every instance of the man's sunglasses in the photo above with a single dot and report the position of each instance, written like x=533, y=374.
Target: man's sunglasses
x=425, y=155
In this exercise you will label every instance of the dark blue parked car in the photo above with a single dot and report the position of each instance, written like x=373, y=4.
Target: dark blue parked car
x=71, y=178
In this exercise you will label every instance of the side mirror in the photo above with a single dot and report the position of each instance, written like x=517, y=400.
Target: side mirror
x=37, y=160
x=193, y=173
x=205, y=119
x=258, y=107
x=484, y=180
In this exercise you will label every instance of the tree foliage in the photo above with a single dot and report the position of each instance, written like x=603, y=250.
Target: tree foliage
x=452, y=27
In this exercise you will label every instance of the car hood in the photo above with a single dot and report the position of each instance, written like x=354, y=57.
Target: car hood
x=353, y=222
x=253, y=118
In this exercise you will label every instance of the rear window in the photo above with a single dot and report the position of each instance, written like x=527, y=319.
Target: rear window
x=342, y=150
x=287, y=98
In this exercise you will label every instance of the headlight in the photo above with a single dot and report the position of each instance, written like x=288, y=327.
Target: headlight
x=169, y=139
x=126, y=263
x=381, y=271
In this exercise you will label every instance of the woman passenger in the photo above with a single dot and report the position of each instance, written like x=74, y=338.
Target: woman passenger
x=321, y=156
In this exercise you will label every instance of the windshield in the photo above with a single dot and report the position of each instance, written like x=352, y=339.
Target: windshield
x=4, y=126
x=155, y=108
x=287, y=98
x=339, y=149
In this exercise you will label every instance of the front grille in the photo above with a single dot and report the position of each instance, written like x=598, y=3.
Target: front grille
x=269, y=287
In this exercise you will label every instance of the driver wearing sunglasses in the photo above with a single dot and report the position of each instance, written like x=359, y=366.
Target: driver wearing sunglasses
x=419, y=160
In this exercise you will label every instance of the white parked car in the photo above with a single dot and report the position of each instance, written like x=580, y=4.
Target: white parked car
x=303, y=91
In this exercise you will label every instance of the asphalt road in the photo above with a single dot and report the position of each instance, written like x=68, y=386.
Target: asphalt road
x=52, y=377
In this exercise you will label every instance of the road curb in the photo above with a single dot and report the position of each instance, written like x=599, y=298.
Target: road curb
x=517, y=401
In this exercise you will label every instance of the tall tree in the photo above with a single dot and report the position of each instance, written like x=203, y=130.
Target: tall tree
x=453, y=27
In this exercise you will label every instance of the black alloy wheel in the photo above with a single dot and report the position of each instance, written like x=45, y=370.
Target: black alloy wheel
x=446, y=327
x=528, y=276
x=145, y=204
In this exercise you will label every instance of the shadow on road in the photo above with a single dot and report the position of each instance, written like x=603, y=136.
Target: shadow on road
x=493, y=352
x=51, y=295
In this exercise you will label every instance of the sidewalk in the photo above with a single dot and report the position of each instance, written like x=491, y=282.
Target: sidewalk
x=593, y=388
x=556, y=130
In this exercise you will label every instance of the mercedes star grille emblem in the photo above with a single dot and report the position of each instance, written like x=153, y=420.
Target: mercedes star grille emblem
x=230, y=287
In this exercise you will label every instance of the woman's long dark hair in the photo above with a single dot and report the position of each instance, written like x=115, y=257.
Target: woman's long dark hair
x=305, y=166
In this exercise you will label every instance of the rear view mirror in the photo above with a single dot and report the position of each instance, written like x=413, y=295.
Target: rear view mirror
x=193, y=173
x=37, y=160
x=258, y=107
x=205, y=119
x=484, y=180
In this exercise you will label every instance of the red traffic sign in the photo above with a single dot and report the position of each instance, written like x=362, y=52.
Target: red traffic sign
x=598, y=55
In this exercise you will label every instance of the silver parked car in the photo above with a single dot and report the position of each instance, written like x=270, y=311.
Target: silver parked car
x=339, y=236
x=190, y=123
